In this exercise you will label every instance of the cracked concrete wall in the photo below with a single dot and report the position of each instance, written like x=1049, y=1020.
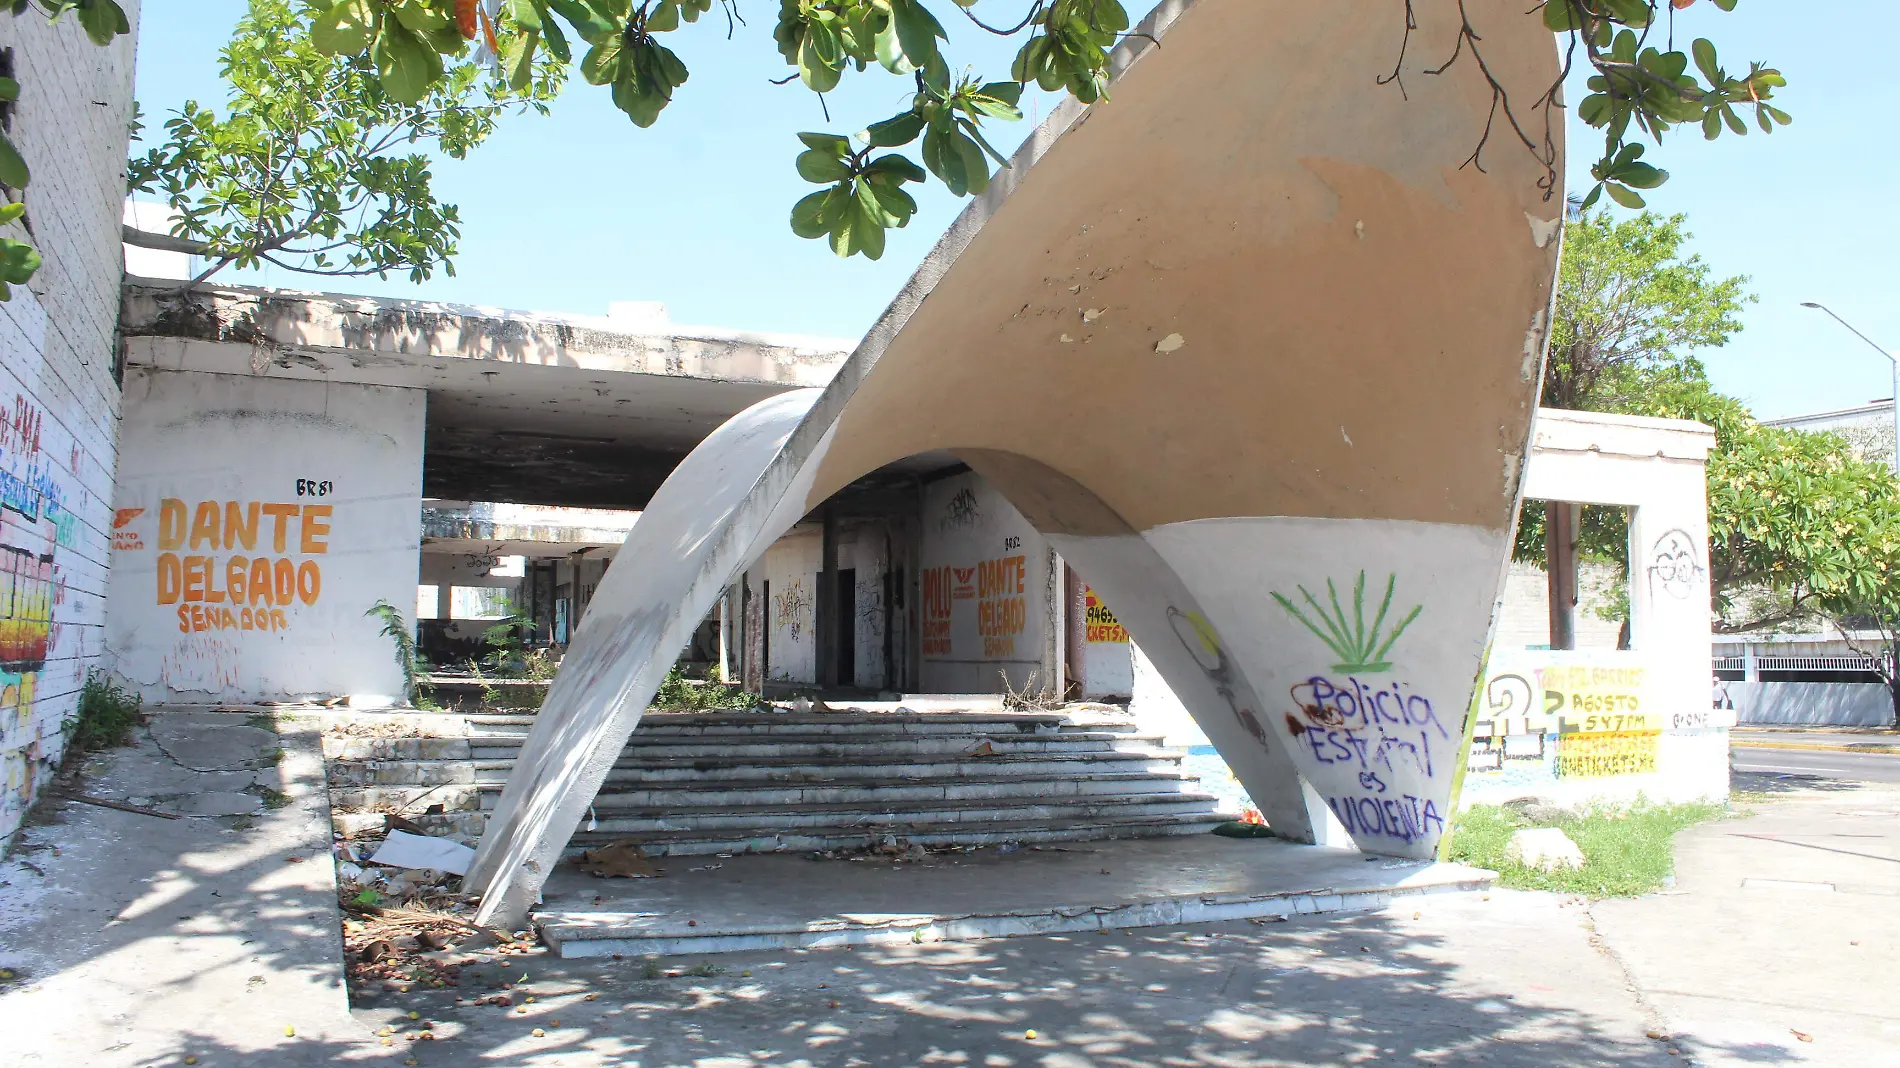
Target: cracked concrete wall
x=260, y=519
x=59, y=405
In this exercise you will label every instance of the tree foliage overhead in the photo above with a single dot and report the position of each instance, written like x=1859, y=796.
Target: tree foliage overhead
x=1643, y=86
x=1632, y=311
x=102, y=20
x=315, y=165
x=1801, y=525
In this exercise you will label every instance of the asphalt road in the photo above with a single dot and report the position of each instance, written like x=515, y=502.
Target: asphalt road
x=1854, y=767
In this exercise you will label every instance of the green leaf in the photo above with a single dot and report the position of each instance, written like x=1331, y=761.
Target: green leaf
x=818, y=76
x=344, y=30
x=1629, y=198
x=1705, y=62
x=834, y=144
x=526, y=13
x=602, y=63
x=808, y=219
x=9, y=89
x=890, y=52
x=899, y=167
x=18, y=261
x=894, y=131
x=418, y=16
x=405, y=65
x=663, y=18
x=822, y=167
x=917, y=31
x=1641, y=176
x=556, y=41
x=11, y=212
x=13, y=169
x=1560, y=17
x=589, y=24
x=103, y=20
x=518, y=59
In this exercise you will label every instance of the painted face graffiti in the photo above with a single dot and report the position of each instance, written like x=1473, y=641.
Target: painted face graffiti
x=1675, y=566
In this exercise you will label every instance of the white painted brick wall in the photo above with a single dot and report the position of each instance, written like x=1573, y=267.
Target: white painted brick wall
x=59, y=405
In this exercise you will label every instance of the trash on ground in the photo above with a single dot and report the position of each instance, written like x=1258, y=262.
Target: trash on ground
x=618, y=860
x=1242, y=829
x=404, y=850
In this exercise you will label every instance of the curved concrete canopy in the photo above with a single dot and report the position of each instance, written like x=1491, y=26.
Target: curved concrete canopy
x=1315, y=337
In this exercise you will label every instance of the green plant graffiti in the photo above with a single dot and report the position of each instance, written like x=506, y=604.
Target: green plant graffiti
x=1360, y=648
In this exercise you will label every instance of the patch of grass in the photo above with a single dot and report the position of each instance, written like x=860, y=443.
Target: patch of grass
x=1627, y=850
x=273, y=799
x=104, y=719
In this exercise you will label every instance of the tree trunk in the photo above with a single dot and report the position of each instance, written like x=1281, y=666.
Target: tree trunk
x=1560, y=561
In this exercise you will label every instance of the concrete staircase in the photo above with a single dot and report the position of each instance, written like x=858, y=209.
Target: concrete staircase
x=756, y=782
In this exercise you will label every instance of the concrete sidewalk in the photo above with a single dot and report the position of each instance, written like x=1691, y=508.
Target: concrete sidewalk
x=137, y=940
x=1828, y=739
x=1778, y=943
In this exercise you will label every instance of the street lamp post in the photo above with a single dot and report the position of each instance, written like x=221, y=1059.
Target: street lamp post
x=1895, y=359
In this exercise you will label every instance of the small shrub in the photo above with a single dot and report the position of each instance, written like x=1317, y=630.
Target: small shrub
x=677, y=693
x=105, y=718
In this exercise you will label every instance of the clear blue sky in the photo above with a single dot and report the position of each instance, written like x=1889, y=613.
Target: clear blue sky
x=569, y=212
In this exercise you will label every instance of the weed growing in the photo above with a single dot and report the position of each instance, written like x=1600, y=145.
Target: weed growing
x=1627, y=850
x=105, y=718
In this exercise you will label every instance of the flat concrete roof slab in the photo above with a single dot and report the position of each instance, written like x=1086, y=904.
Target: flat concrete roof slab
x=743, y=903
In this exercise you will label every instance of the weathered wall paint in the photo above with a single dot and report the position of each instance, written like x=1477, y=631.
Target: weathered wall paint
x=1108, y=663
x=257, y=521
x=59, y=404
x=790, y=573
x=986, y=591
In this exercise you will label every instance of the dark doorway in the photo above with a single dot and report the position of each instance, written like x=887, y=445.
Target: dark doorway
x=845, y=641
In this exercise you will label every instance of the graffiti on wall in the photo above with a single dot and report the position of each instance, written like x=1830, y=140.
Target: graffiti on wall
x=1101, y=626
x=937, y=612
x=998, y=586
x=1544, y=716
x=1675, y=566
x=235, y=565
x=1604, y=756
x=34, y=526
x=960, y=513
x=1001, y=610
x=792, y=609
x=1365, y=719
x=1566, y=698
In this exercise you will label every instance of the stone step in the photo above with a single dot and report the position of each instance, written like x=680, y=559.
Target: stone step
x=901, y=819
x=405, y=800
x=619, y=796
x=688, y=725
x=871, y=748
x=633, y=770
x=1029, y=832
x=354, y=748
x=344, y=773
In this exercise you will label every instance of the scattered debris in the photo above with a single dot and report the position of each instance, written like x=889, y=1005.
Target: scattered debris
x=403, y=849
x=621, y=859
x=1801, y=1035
x=1243, y=829
x=122, y=806
x=984, y=748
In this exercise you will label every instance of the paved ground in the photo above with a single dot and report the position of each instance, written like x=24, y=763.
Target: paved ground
x=145, y=942
x=136, y=940
x=1778, y=943
x=1819, y=764
x=1781, y=926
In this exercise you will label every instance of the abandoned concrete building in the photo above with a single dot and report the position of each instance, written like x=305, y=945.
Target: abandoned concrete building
x=382, y=446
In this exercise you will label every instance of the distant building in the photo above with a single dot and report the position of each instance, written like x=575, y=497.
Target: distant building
x=1867, y=427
